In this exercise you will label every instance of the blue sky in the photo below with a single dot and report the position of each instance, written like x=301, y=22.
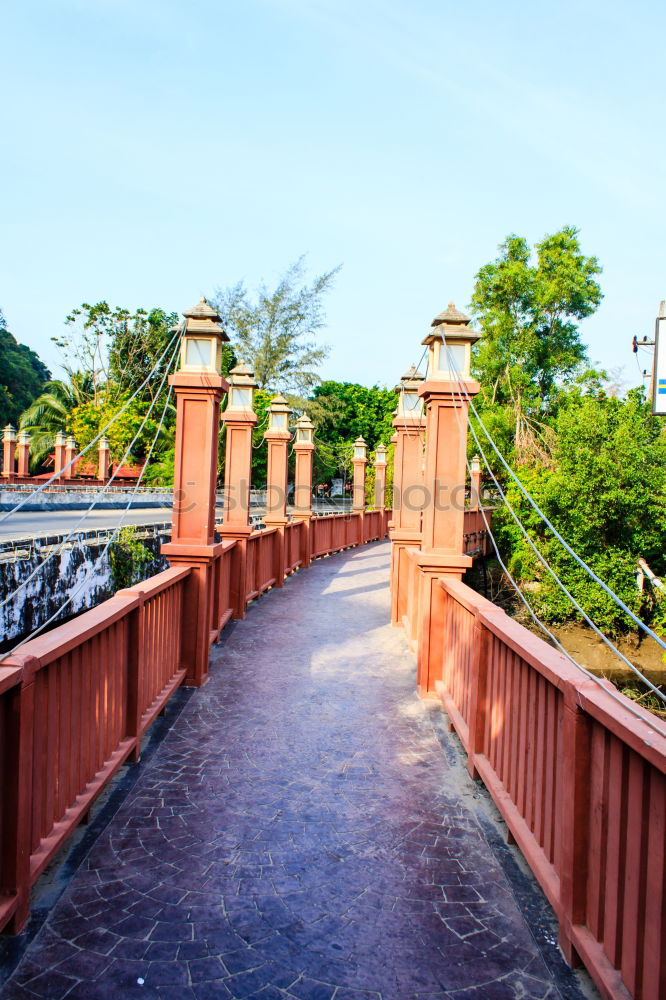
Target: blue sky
x=156, y=149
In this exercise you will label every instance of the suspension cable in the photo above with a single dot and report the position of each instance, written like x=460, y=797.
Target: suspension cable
x=581, y=562
x=56, y=475
x=97, y=497
x=549, y=568
x=109, y=542
x=624, y=703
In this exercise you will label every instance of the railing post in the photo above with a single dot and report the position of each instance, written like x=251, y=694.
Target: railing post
x=70, y=454
x=408, y=490
x=475, y=484
x=23, y=455
x=103, y=459
x=16, y=789
x=8, y=451
x=444, y=479
x=304, y=450
x=358, y=489
x=380, y=478
x=239, y=420
x=277, y=438
x=199, y=389
x=574, y=816
x=59, y=453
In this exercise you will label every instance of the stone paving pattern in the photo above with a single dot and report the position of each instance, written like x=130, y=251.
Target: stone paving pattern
x=299, y=833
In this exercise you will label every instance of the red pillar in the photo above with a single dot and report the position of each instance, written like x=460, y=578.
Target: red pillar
x=304, y=451
x=380, y=477
x=199, y=389
x=59, y=453
x=8, y=451
x=239, y=419
x=70, y=454
x=408, y=491
x=277, y=438
x=359, y=463
x=103, y=459
x=475, y=484
x=444, y=480
x=23, y=455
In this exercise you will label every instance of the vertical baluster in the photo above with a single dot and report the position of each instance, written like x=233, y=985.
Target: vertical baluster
x=573, y=817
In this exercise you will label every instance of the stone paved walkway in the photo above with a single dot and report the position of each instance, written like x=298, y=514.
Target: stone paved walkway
x=298, y=834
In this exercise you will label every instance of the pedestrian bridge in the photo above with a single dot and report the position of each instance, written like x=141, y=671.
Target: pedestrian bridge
x=305, y=829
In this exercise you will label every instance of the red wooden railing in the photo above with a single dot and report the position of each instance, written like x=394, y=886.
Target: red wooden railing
x=75, y=703
x=476, y=540
x=262, y=556
x=579, y=779
x=294, y=541
x=222, y=603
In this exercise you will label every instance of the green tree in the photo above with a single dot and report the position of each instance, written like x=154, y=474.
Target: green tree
x=605, y=492
x=51, y=412
x=22, y=376
x=137, y=344
x=87, y=420
x=275, y=331
x=118, y=348
x=341, y=411
x=528, y=306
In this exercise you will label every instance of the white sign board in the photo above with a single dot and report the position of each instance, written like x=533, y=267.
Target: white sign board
x=659, y=390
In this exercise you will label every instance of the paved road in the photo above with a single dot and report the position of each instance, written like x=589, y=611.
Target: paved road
x=36, y=524
x=301, y=833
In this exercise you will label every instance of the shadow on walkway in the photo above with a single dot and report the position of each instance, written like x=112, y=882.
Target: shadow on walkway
x=301, y=833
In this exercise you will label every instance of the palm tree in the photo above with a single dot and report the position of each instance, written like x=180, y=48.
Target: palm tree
x=49, y=413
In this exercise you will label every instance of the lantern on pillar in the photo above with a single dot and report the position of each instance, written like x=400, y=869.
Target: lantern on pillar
x=450, y=346
x=304, y=431
x=360, y=450
x=201, y=347
x=241, y=391
x=278, y=416
x=410, y=403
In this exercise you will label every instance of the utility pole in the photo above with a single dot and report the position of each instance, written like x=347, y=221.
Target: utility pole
x=657, y=376
x=658, y=386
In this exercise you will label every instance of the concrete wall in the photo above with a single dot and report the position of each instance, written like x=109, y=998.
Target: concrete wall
x=70, y=571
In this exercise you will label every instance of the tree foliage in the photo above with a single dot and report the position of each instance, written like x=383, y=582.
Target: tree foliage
x=52, y=411
x=275, y=331
x=605, y=492
x=528, y=305
x=117, y=348
x=22, y=376
x=341, y=412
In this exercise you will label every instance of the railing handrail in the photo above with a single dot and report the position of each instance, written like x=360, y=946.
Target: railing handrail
x=559, y=671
